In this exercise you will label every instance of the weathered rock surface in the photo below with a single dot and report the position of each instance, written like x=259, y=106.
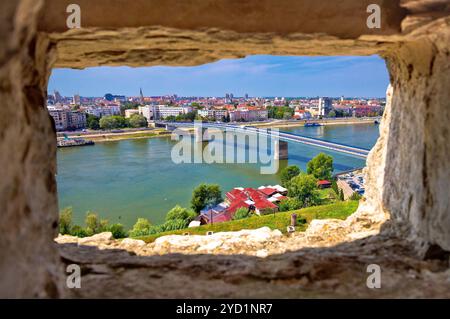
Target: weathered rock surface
x=338, y=271
x=408, y=170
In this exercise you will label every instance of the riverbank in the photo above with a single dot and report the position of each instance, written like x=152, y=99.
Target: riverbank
x=126, y=135
x=324, y=122
x=101, y=136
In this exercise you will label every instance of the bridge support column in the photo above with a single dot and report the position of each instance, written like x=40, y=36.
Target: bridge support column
x=170, y=128
x=281, y=150
x=200, y=134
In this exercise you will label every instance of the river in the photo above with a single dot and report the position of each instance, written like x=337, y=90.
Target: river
x=124, y=180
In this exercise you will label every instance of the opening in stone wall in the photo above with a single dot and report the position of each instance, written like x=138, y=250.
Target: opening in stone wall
x=115, y=128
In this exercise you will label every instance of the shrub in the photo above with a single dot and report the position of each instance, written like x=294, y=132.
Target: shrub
x=289, y=204
x=321, y=166
x=94, y=225
x=205, y=195
x=288, y=173
x=65, y=221
x=179, y=212
x=174, y=224
x=118, y=231
x=141, y=228
x=138, y=120
x=241, y=213
x=78, y=231
x=304, y=188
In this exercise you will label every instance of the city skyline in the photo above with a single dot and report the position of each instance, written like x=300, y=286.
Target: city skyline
x=254, y=75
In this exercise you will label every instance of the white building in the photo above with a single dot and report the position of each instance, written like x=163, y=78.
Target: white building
x=213, y=114
x=101, y=111
x=130, y=112
x=248, y=115
x=163, y=111
x=325, y=106
x=146, y=111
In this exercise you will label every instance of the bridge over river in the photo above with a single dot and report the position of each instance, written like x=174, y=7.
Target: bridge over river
x=283, y=136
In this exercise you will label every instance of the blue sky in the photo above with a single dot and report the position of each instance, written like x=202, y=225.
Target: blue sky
x=258, y=75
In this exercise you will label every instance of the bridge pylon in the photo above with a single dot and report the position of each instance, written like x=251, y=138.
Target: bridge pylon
x=281, y=151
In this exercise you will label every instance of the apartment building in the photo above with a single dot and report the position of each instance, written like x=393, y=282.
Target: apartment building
x=213, y=114
x=162, y=111
x=248, y=115
x=68, y=120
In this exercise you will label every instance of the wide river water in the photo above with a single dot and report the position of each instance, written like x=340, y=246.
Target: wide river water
x=124, y=180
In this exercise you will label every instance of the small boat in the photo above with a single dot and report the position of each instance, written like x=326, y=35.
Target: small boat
x=312, y=124
x=376, y=122
x=67, y=142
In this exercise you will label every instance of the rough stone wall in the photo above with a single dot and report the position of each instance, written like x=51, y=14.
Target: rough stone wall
x=417, y=169
x=28, y=206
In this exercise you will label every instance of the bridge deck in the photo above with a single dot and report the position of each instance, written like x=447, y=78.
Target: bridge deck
x=290, y=137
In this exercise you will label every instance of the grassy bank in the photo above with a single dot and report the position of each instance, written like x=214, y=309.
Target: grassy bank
x=338, y=210
x=125, y=136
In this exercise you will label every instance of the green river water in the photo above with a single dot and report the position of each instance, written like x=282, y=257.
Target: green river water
x=124, y=180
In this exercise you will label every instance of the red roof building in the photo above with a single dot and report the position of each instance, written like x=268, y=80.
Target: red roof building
x=323, y=183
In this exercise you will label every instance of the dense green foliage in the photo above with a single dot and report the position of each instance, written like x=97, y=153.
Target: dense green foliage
x=288, y=173
x=142, y=227
x=289, y=204
x=65, y=221
x=92, y=122
x=180, y=213
x=94, y=225
x=188, y=117
x=303, y=187
x=137, y=120
x=113, y=122
x=205, y=195
x=280, y=112
x=321, y=166
x=339, y=210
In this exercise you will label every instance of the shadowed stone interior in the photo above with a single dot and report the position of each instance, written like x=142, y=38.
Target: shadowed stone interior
x=407, y=170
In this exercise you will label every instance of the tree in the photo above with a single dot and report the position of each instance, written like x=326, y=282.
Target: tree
x=321, y=166
x=288, y=173
x=78, y=231
x=181, y=213
x=303, y=187
x=112, y=122
x=94, y=225
x=141, y=228
x=341, y=195
x=65, y=221
x=92, y=122
x=117, y=230
x=332, y=113
x=241, y=213
x=205, y=195
x=138, y=120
